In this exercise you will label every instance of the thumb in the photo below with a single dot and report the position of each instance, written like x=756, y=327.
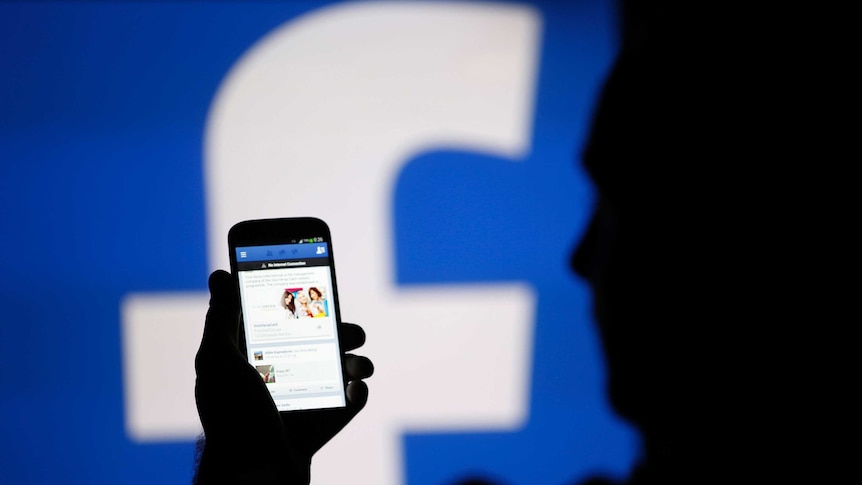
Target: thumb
x=222, y=321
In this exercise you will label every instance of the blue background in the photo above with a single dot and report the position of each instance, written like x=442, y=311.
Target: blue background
x=102, y=113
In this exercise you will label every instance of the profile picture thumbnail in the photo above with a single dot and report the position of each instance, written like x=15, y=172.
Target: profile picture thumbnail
x=267, y=373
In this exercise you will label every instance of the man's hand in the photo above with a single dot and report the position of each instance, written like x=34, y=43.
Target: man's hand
x=246, y=437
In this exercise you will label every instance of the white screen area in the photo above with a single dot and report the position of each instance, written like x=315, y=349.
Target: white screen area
x=291, y=333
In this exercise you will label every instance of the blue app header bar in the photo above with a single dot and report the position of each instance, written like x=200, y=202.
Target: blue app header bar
x=282, y=251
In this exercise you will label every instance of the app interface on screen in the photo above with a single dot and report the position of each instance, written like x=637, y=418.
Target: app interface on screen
x=289, y=317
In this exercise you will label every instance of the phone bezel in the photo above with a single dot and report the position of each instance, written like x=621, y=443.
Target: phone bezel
x=262, y=232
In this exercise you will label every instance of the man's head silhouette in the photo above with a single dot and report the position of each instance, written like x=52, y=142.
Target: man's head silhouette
x=658, y=253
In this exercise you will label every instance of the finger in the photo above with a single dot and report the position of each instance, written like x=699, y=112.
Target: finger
x=222, y=320
x=351, y=335
x=223, y=291
x=358, y=367
x=223, y=299
x=357, y=396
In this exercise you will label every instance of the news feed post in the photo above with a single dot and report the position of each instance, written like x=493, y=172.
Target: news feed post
x=286, y=304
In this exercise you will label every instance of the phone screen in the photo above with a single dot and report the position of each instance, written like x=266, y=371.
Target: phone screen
x=289, y=317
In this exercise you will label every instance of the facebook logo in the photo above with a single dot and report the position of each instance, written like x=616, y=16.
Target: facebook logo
x=440, y=143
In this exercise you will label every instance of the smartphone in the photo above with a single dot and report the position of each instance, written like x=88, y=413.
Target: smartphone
x=285, y=273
